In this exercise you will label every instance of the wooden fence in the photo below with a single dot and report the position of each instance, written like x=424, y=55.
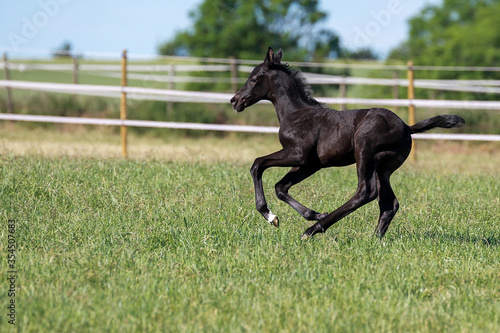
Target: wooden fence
x=233, y=66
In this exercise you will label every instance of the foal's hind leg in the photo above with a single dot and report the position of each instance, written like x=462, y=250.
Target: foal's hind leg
x=366, y=192
x=387, y=202
x=294, y=176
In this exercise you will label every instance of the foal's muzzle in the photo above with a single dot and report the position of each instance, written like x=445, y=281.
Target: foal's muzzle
x=238, y=102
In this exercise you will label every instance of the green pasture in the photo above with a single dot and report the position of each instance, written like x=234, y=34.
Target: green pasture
x=174, y=244
x=169, y=240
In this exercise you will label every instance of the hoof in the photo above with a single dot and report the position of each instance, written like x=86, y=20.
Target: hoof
x=310, y=232
x=305, y=236
x=273, y=219
x=276, y=222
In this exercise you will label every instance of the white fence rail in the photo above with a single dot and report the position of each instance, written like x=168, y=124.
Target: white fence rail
x=211, y=127
x=139, y=123
x=22, y=67
x=208, y=97
x=203, y=97
x=152, y=73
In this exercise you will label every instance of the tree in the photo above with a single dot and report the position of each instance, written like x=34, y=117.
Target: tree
x=63, y=51
x=361, y=54
x=461, y=32
x=455, y=33
x=245, y=28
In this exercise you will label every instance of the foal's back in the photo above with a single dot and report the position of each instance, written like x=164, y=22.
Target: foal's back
x=340, y=134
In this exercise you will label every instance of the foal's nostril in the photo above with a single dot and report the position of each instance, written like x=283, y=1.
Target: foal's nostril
x=236, y=100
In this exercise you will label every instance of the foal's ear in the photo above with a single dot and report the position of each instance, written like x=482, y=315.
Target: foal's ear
x=269, y=56
x=278, y=56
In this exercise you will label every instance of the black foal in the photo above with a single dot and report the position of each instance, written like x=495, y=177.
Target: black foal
x=315, y=137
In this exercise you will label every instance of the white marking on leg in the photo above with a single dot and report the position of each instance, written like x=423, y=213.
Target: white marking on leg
x=271, y=217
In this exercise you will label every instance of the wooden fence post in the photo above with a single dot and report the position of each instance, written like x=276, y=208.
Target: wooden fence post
x=75, y=70
x=75, y=74
x=343, y=93
x=395, y=88
x=171, y=86
x=10, y=102
x=234, y=74
x=411, y=108
x=123, y=104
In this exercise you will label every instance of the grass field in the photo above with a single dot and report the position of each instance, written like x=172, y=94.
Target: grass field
x=169, y=240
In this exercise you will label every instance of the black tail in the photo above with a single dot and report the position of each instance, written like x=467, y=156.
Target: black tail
x=443, y=121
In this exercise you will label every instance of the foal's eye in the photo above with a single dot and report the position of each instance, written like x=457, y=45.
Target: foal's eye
x=253, y=80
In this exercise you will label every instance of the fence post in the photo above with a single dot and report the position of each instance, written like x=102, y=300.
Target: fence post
x=395, y=88
x=411, y=107
x=234, y=74
x=171, y=86
x=75, y=73
x=75, y=70
x=343, y=93
x=10, y=103
x=123, y=104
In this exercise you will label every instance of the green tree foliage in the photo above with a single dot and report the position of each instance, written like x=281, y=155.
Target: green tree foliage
x=63, y=51
x=461, y=32
x=245, y=28
x=455, y=33
x=364, y=53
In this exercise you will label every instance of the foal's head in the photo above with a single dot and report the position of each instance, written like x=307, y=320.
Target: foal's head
x=265, y=79
x=258, y=84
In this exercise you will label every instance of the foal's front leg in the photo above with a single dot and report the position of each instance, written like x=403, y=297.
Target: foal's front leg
x=293, y=177
x=280, y=158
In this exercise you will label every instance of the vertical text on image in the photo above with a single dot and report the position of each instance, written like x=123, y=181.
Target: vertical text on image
x=11, y=271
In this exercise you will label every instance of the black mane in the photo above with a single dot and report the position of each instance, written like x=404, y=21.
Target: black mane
x=301, y=82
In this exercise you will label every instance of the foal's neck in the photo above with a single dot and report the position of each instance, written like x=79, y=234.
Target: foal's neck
x=288, y=96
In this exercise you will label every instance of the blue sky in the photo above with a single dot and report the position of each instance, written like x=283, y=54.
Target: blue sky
x=140, y=26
